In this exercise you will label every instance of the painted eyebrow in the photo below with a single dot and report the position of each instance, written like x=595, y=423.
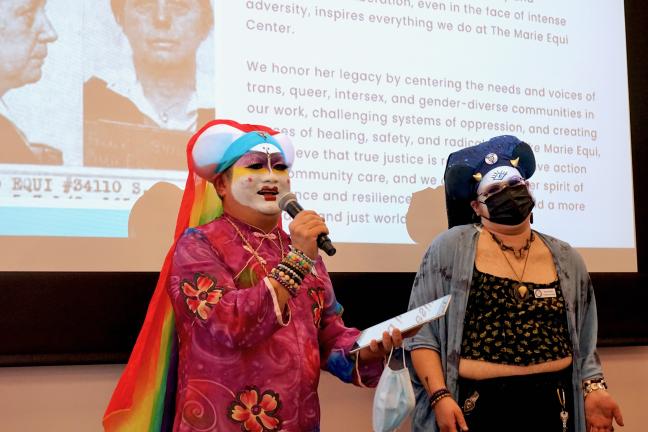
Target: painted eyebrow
x=277, y=158
x=252, y=158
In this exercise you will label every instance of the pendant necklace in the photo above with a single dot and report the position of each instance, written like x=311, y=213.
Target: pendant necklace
x=520, y=290
x=517, y=253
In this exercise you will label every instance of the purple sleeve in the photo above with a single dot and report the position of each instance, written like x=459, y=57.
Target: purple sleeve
x=206, y=299
x=336, y=340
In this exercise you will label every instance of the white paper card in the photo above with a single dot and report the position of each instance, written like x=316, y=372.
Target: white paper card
x=407, y=321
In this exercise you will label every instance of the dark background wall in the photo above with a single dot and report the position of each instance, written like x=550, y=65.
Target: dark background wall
x=76, y=318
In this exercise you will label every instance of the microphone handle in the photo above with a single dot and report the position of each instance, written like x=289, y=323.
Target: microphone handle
x=293, y=208
x=324, y=243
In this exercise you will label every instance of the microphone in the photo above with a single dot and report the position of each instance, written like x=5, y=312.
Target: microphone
x=289, y=204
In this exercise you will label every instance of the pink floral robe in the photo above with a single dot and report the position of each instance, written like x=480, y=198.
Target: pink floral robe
x=243, y=365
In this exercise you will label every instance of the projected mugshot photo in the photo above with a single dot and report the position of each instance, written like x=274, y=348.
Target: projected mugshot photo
x=25, y=33
x=142, y=102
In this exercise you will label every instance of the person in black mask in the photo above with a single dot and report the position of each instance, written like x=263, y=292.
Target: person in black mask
x=516, y=350
x=506, y=195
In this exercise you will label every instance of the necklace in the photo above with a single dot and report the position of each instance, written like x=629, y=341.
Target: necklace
x=517, y=253
x=520, y=290
x=255, y=252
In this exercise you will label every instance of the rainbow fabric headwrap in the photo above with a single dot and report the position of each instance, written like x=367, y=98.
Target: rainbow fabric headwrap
x=144, y=399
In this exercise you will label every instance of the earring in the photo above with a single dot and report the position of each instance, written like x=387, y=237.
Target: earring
x=531, y=220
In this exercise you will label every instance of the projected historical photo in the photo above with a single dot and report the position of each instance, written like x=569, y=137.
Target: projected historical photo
x=25, y=33
x=151, y=84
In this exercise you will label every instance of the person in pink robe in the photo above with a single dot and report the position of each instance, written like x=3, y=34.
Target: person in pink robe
x=254, y=327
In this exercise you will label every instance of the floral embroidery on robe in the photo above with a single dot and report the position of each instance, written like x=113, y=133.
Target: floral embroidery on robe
x=256, y=413
x=201, y=295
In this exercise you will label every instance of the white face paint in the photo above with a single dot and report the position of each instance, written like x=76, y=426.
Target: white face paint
x=259, y=179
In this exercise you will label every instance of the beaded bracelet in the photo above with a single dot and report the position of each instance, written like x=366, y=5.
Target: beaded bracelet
x=291, y=272
x=286, y=281
x=296, y=262
x=300, y=259
x=439, y=392
x=302, y=254
x=436, y=396
x=293, y=268
x=438, y=399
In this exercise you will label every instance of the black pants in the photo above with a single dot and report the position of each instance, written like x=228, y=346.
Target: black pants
x=526, y=403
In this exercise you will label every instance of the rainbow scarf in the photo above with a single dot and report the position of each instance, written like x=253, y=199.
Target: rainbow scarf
x=144, y=399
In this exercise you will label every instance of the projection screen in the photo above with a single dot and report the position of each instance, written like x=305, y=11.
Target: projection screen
x=96, y=112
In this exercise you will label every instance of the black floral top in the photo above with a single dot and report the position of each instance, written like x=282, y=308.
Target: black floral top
x=501, y=326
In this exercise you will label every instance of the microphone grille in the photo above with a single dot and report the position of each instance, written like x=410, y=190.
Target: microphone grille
x=284, y=200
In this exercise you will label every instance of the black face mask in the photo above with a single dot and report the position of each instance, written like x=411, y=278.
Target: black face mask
x=510, y=206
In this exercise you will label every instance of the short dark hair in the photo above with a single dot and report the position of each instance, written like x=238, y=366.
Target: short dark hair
x=117, y=7
x=228, y=174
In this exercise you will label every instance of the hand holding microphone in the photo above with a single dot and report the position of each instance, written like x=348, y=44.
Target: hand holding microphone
x=308, y=230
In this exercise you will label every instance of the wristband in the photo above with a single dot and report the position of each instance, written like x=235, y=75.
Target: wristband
x=436, y=396
x=284, y=269
x=285, y=281
x=298, y=258
x=435, y=401
x=593, y=384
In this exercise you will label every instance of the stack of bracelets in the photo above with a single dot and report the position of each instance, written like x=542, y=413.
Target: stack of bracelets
x=292, y=270
x=593, y=384
x=438, y=395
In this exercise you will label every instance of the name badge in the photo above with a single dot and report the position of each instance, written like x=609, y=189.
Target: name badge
x=544, y=293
